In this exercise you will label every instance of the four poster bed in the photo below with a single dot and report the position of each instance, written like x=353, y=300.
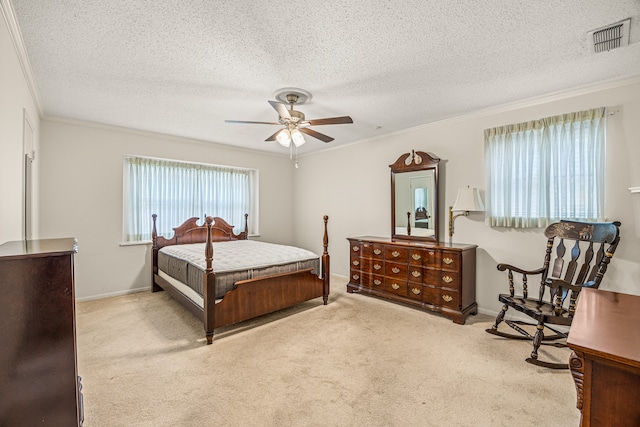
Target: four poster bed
x=223, y=278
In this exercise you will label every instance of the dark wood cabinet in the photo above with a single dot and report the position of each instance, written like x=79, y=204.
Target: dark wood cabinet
x=39, y=382
x=605, y=362
x=433, y=276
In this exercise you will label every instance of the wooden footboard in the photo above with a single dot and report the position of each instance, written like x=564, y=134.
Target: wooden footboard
x=250, y=298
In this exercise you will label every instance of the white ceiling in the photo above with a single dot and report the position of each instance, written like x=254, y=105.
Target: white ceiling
x=182, y=68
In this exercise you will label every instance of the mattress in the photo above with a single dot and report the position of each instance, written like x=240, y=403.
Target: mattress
x=233, y=261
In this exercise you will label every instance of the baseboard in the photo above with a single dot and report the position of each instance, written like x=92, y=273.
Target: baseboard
x=511, y=315
x=114, y=294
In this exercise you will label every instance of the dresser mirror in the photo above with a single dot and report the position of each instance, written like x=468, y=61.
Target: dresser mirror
x=414, y=197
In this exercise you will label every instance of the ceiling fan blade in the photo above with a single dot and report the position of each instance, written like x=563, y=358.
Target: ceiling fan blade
x=318, y=135
x=257, y=123
x=281, y=109
x=273, y=137
x=331, y=121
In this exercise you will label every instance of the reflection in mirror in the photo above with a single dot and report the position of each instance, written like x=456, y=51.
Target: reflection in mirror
x=414, y=179
x=413, y=190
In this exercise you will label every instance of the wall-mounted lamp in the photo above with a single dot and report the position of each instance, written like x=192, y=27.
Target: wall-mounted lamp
x=468, y=200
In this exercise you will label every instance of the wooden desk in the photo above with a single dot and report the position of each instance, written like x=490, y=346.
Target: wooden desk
x=605, y=363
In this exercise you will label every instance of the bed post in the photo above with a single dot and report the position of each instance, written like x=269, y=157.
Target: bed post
x=325, y=263
x=209, y=287
x=154, y=259
x=246, y=226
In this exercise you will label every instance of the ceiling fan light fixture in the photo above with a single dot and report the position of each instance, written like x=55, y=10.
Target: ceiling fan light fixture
x=294, y=122
x=284, y=138
x=297, y=137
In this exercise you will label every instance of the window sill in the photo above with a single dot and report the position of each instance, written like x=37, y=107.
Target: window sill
x=142, y=242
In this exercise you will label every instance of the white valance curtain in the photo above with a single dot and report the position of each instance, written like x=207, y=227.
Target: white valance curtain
x=177, y=191
x=542, y=171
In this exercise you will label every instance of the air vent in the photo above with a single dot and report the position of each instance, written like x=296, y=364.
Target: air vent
x=610, y=37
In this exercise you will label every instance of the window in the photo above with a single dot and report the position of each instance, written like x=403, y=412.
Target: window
x=177, y=191
x=550, y=169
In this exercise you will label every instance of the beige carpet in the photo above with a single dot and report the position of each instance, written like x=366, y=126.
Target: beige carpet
x=358, y=361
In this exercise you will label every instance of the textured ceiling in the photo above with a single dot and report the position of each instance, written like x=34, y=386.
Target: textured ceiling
x=182, y=68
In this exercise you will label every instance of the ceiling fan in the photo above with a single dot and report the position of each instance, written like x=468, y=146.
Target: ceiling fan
x=294, y=122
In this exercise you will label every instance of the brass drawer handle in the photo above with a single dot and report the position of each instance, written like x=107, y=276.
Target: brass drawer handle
x=415, y=273
x=395, y=254
x=447, y=279
x=355, y=276
x=445, y=260
x=377, y=282
x=377, y=251
x=395, y=286
x=395, y=270
x=416, y=256
x=377, y=266
x=447, y=298
x=355, y=248
x=356, y=262
x=416, y=291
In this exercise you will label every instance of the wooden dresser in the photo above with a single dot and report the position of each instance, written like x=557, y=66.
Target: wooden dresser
x=39, y=384
x=605, y=363
x=434, y=276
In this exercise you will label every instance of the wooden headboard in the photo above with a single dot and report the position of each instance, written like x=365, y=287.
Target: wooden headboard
x=190, y=232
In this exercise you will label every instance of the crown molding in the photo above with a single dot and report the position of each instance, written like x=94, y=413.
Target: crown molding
x=16, y=37
x=156, y=135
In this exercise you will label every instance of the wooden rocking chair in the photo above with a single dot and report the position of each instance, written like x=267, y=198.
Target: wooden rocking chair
x=586, y=240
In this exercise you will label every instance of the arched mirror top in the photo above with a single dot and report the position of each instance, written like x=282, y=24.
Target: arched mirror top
x=414, y=197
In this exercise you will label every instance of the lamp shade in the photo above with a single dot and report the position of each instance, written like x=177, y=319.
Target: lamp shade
x=284, y=138
x=468, y=200
x=297, y=137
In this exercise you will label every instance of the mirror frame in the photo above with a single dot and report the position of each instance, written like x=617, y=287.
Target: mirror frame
x=412, y=162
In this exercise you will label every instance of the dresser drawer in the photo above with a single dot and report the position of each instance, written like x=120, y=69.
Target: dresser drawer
x=415, y=291
x=448, y=279
x=394, y=286
x=395, y=271
x=396, y=254
x=377, y=267
x=356, y=262
x=355, y=248
x=355, y=277
x=416, y=257
x=377, y=251
x=377, y=281
x=415, y=274
x=441, y=297
x=450, y=261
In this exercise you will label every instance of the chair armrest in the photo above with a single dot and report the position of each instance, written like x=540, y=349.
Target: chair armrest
x=554, y=283
x=503, y=267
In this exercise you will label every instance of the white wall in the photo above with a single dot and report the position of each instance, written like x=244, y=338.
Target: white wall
x=81, y=196
x=78, y=190
x=352, y=185
x=15, y=99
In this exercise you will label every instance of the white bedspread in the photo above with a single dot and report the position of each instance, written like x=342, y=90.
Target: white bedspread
x=239, y=255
